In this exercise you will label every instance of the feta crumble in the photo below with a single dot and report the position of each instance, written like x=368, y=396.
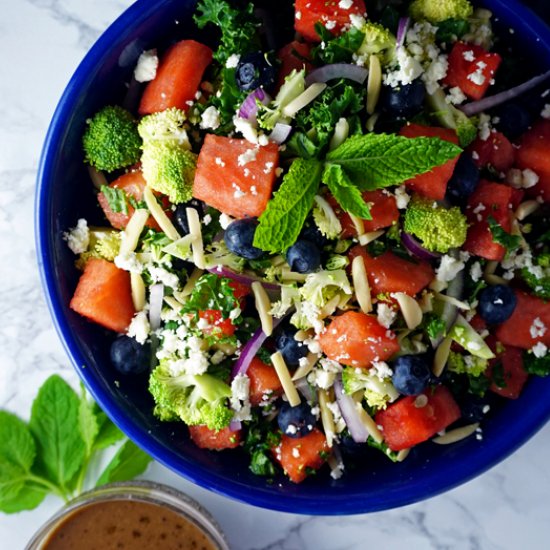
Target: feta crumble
x=210, y=119
x=539, y=350
x=537, y=329
x=147, y=65
x=233, y=61
x=78, y=238
x=448, y=269
x=139, y=328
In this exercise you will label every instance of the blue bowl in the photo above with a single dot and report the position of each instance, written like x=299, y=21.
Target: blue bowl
x=64, y=193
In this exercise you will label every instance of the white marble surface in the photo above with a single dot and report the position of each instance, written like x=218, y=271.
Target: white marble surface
x=42, y=42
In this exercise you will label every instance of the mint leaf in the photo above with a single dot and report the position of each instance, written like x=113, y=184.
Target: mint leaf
x=55, y=426
x=502, y=237
x=373, y=161
x=345, y=192
x=108, y=434
x=17, y=454
x=281, y=222
x=129, y=462
x=87, y=422
x=116, y=199
x=30, y=496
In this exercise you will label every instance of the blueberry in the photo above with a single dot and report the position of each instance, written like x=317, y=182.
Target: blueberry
x=291, y=350
x=296, y=421
x=303, y=257
x=404, y=101
x=239, y=237
x=311, y=233
x=180, y=215
x=411, y=374
x=473, y=408
x=513, y=120
x=464, y=180
x=255, y=70
x=128, y=356
x=496, y=304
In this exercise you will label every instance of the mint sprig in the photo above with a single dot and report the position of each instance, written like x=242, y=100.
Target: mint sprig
x=52, y=453
x=282, y=220
x=374, y=161
x=501, y=236
x=362, y=162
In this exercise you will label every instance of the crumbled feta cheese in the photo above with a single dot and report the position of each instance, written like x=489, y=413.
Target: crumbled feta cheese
x=546, y=111
x=408, y=69
x=233, y=61
x=240, y=393
x=345, y=4
x=147, y=65
x=139, y=328
x=246, y=128
x=337, y=471
x=456, y=96
x=539, y=350
x=268, y=167
x=248, y=156
x=161, y=275
x=402, y=198
x=381, y=370
x=468, y=55
x=129, y=262
x=476, y=272
x=210, y=119
x=238, y=191
x=219, y=162
x=78, y=238
x=225, y=220
x=386, y=315
x=330, y=25
x=484, y=126
x=537, y=329
x=357, y=21
x=478, y=77
x=448, y=269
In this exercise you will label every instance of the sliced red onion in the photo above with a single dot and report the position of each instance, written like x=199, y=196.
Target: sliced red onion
x=349, y=412
x=223, y=271
x=280, y=133
x=449, y=312
x=402, y=29
x=249, y=108
x=235, y=425
x=497, y=99
x=337, y=70
x=416, y=249
x=250, y=350
x=155, y=305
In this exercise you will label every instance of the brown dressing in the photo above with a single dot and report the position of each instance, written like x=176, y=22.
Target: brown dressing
x=127, y=525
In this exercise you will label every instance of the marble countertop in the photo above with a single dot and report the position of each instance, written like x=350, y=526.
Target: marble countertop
x=42, y=42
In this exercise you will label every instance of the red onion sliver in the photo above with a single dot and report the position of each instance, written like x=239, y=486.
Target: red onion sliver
x=241, y=278
x=235, y=425
x=497, y=99
x=416, y=249
x=347, y=406
x=337, y=70
x=249, y=108
x=402, y=29
x=280, y=133
x=250, y=350
x=155, y=305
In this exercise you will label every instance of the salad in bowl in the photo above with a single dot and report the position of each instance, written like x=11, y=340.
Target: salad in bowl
x=328, y=249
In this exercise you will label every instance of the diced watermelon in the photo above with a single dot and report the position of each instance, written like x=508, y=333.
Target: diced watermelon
x=533, y=154
x=264, y=382
x=357, y=339
x=383, y=210
x=513, y=373
x=217, y=325
x=389, y=273
x=472, y=69
x=529, y=324
x=293, y=56
x=328, y=12
x=297, y=455
x=404, y=424
x=235, y=176
x=178, y=78
x=495, y=151
x=432, y=184
x=205, y=438
x=489, y=199
x=133, y=183
x=104, y=295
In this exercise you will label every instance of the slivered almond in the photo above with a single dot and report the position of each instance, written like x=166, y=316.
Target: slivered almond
x=361, y=284
x=263, y=306
x=457, y=434
x=284, y=376
x=409, y=308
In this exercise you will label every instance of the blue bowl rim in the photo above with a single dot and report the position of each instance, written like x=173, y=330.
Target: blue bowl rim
x=460, y=474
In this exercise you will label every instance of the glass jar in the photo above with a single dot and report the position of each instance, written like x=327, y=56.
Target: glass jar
x=140, y=491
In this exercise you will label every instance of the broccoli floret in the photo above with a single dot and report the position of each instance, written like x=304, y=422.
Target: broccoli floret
x=195, y=399
x=537, y=278
x=322, y=286
x=217, y=254
x=436, y=11
x=379, y=41
x=168, y=164
x=103, y=244
x=111, y=140
x=325, y=219
x=377, y=392
x=466, y=364
x=439, y=228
